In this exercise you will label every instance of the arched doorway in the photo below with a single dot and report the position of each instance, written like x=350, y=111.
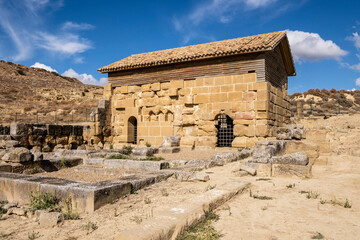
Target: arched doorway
x=225, y=130
x=132, y=130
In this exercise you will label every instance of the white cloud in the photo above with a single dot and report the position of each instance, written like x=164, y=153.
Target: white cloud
x=356, y=39
x=66, y=44
x=43, y=66
x=221, y=10
x=22, y=21
x=306, y=46
x=357, y=82
x=76, y=26
x=355, y=67
x=84, y=78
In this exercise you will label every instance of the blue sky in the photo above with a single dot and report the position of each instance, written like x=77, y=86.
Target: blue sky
x=77, y=37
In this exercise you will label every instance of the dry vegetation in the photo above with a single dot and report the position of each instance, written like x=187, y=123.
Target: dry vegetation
x=326, y=102
x=35, y=93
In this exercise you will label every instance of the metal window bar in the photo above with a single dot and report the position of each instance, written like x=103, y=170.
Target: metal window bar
x=135, y=132
x=225, y=131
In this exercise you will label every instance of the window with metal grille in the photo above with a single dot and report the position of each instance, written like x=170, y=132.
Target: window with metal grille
x=132, y=130
x=225, y=130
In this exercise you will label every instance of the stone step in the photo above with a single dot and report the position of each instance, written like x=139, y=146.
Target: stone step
x=169, y=223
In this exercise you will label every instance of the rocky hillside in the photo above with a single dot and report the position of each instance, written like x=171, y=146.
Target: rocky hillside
x=326, y=102
x=33, y=94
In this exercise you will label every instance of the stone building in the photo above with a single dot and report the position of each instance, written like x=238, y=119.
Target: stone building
x=227, y=94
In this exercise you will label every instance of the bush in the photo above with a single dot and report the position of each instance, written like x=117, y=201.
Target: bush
x=118, y=156
x=39, y=201
x=128, y=148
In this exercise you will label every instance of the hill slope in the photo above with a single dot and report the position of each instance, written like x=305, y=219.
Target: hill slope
x=33, y=93
x=326, y=102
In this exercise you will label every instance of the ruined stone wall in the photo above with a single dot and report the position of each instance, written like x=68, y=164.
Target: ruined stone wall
x=188, y=108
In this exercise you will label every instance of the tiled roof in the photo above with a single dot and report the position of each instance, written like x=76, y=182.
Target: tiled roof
x=258, y=43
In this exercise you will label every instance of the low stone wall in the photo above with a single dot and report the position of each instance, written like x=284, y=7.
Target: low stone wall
x=47, y=136
x=86, y=197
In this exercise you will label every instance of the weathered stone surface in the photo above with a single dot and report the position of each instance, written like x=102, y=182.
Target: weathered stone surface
x=185, y=176
x=248, y=169
x=311, y=149
x=132, y=164
x=290, y=132
x=265, y=150
x=18, y=155
x=241, y=173
x=7, y=206
x=299, y=158
x=17, y=211
x=169, y=149
x=20, y=129
x=12, y=144
x=262, y=169
x=227, y=157
x=58, y=146
x=291, y=170
x=50, y=219
x=5, y=168
x=143, y=152
x=172, y=141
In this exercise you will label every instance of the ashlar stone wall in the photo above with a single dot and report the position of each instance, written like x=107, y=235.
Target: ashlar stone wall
x=189, y=109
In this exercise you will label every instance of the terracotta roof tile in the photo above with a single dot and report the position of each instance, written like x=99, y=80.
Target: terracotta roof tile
x=258, y=43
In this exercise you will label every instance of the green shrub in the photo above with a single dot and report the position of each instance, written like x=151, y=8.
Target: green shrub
x=128, y=148
x=118, y=156
x=39, y=200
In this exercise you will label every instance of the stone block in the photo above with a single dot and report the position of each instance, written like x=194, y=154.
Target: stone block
x=143, y=152
x=5, y=168
x=239, y=142
x=262, y=169
x=169, y=150
x=241, y=87
x=291, y=170
x=146, y=87
x=177, y=84
x=239, y=79
x=123, y=89
x=50, y=219
x=171, y=141
x=20, y=129
x=199, y=99
x=299, y=158
x=156, y=86
x=261, y=130
x=250, y=77
x=134, y=89
x=173, y=92
x=165, y=85
x=248, y=169
x=188, y=141
x=18, y=155
x=261, y=106
x=235, y=96
x=189, y=83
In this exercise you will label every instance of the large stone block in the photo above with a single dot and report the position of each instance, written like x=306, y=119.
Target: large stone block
x=18, y=155
x=239, y=142
x=177, y=84
x=299, y=158
x=291, y=170
x=262, y=169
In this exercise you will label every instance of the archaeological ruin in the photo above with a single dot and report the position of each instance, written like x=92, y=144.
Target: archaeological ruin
x=229, y=93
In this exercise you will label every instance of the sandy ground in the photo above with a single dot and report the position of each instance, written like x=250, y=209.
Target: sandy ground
x=290, y=215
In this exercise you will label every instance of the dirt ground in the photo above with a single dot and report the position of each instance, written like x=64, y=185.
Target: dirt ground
x=289, y=215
